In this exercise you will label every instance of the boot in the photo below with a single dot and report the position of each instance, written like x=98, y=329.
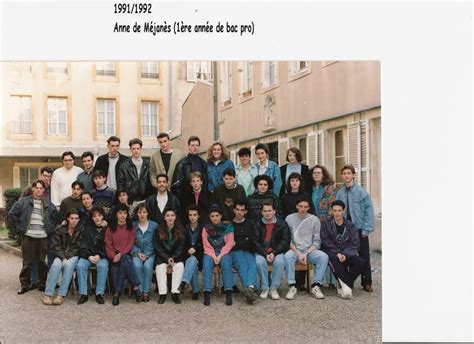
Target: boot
x=228, y=297
x=162, y=299
x=207, y=298
x=175, y=298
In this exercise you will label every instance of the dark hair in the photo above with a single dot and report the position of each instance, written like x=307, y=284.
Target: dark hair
x=268, y=203
x=117, y=194
x=327, y=178
x=142, y=206
x=194, y=138
x=241, y=202
x=71, y=154
x=162, y=175
x=177, y=227
x=113, y=138
x=113, y=220
x=77, y=183
x=263, y=177
x=86, y=154
x=98, y=173
x=46, y=169
x=339, y=203
x=224, y=154
x=348, y=167
x=36, y=182
x=73, y=211
x=134, y=142
x=295, y=151
x=192, y=207
x=295, y=175
x=244, y=151
x=262, y=146
x=161, y=135
x=303, y=199
x=87, y=193
x=229, y=172
x=215, y=208
x=97, y=209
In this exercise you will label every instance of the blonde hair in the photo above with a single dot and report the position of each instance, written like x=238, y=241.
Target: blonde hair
x=225, y=152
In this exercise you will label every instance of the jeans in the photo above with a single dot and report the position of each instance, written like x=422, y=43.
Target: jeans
x=364, y=253
x=191, y=273
x=277, y=270
x=82, y=268
x=123, y=270
x=318, y=258
x=144, y=273
x=67, y=270
x=162, y=277
x=354, y=264
x=208, y=270
x=246, y=266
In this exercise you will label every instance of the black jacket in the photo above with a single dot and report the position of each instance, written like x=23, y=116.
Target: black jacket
x=102, y=163
x=138, y=186
x=164, y=250
x=188, y=199
x=255, y=202
x=245, y=236
x=20, y=215
x=180, y=182
x=307, y=178
x=198, y=246
x=280, y=240
x=93, y=242
x=64, y=245
x=288, y=203
x=155, y=213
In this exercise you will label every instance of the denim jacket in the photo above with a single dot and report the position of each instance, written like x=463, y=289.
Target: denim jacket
x=215, y=173
x=144, y=241
x=361, y=208
x=273, y=171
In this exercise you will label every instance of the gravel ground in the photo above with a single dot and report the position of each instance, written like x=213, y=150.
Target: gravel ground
x=24, y=319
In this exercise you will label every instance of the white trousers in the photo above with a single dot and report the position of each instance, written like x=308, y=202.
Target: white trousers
x=176, y=277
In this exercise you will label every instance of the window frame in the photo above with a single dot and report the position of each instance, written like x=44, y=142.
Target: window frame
x=97, y=135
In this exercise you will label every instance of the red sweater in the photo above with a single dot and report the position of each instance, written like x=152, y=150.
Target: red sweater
x=121, y=240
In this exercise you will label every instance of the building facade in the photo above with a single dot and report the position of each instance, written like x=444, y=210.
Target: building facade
x=330, y=110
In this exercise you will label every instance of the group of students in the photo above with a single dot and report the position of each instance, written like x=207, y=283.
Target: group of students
x=181, y=214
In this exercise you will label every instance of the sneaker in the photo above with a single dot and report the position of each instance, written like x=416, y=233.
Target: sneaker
x=316, y=291
x=274, y=294
x=58, y=300
x=47, y=300
x=344, y=291
x=291, y=293
x=264, y=294
x=248, y=294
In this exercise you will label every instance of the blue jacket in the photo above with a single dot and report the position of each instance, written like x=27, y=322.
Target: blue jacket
x=273, y=171
x=144, y=241
x=361, y=208
x=215, y=173
x=20, y=215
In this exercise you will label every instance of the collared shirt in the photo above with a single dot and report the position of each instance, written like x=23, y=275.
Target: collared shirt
x=162, y=200
x=261, y=169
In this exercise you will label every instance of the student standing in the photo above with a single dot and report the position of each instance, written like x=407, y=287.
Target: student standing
x=217, y=162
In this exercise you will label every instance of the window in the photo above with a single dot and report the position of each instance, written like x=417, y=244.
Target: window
x=57, y=116
x=150, y=112
x=106, y=116
x=340, y=157
x=149, y=70
x=27, y=176
x=273, y=151
x=57, y=68
x=358, y=150
x=199, y=70
x=269, y=74
x=105, y=69
x=315, y=148
x=302, y=145
x=246, y=78
x=225, y=86
x=21, y=115
x=298, y=67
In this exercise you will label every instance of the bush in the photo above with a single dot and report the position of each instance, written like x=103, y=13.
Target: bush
x=11, y=196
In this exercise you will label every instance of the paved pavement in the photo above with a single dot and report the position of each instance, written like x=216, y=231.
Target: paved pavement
x=23, y=319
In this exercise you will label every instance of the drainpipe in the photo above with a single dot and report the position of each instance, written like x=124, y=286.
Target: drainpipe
x=170, y=98
x=216, y=113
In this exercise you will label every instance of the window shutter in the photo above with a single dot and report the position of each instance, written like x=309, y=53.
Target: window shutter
x=265, y=76
x=311, y=148
x=242, y=77
x=320, y=147
x=233, y=157
x=283, y=146
x=190, y=71
x=358, y=152
x=253, y=158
